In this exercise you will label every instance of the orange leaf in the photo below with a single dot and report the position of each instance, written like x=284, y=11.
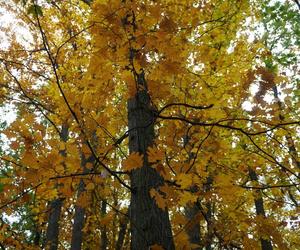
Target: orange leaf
x=156, y=247
x=134, y=161
x=154, y=155
x=160, y=201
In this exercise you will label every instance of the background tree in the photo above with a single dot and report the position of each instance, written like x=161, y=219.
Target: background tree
x=158, y=97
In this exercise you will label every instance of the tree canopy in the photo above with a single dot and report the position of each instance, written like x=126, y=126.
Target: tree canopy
x=150, y=124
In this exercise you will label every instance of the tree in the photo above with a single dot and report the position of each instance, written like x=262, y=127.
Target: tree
x=135, y=112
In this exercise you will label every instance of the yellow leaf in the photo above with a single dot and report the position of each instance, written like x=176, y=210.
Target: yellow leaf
x=62, y=146
x=85, y=149
x=154, y=154
x=194, y=246
x=186, y=198
x=59, y=168
x=83, y=200
x=160, y=201
x=185, y=180
x=134, y=161
x=90, y=186
x=182, y=240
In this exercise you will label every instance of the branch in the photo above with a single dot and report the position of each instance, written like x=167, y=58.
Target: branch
x=199, y=147
x=71, y=37
x=269, y=187
x=54, y=66
x=20, y=196
x=37, y=104
x=185, y=105
x=218, y=124
x=298, y=4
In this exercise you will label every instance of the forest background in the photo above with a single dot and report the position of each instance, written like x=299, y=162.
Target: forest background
x=150, y=124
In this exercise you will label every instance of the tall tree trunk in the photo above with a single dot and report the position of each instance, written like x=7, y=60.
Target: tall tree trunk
x=53, y=224
x=209, y=214
x=104, y=239
x=209, y=236
x=79, y=216
x=55, y=207
x=78, y=222
x=122, y=233
x=150, y=225
x=192, y=211
x=193, y=229
x=260, y=210
x=37, y=235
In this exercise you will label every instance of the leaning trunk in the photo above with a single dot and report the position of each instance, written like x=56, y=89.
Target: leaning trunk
x=150, y=224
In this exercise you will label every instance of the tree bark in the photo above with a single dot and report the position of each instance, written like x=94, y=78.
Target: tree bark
x=193, y=230
x=260, y=210
x=37, y=236
x=53, y=224
x=104, y=239
x=55, y=207
x=150, y=225
x=209, y=215
x=122, y=232
x=192, y=211
x=79, y=216
x=78, y=222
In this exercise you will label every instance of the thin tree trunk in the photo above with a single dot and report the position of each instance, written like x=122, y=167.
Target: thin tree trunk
x=122, y=232
x=191, y=210
x=150, y=224
x=104, y=239
x=79, y=216
x=37, y=235
x=260, y=210
x=193, y=230
x=209, y=215
x=53, y=224
x=55, y=208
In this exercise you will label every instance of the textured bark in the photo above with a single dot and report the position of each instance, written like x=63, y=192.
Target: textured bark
x=122, y=232
x=192, y=211
x=37, y=236
x=79, y=216
x=55, y=208
x=53, y=224
x=209, y=214
x=104, y=239
x=193, y=229
x=78, y=222
x=260, y=210
x=209, y=237
x=150, y=225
